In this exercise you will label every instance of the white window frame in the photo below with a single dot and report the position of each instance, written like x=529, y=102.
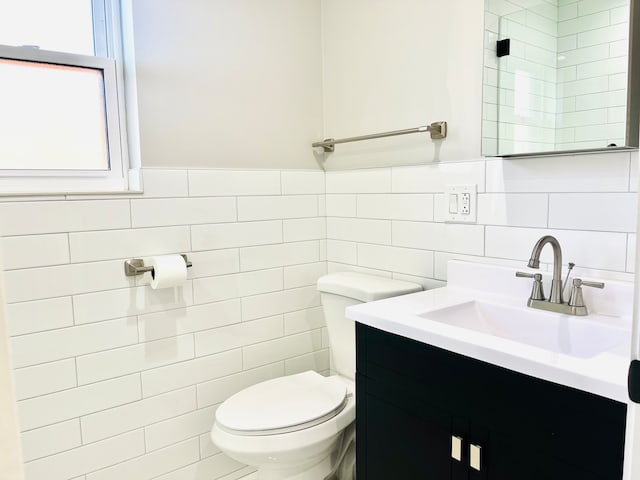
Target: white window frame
x=123, y=175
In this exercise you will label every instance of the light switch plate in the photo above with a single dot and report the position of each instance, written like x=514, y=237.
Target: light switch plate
x=461, y=203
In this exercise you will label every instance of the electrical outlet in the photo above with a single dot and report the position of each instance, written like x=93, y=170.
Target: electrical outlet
x=466, y=204
x=460, y=203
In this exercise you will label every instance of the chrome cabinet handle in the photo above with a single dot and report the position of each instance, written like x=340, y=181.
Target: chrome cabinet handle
x=456, y=448
x=475, y=454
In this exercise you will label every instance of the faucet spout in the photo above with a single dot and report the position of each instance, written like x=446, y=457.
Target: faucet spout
x=534, y=262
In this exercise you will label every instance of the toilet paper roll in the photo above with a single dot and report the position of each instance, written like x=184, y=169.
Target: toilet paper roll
x=168, y=271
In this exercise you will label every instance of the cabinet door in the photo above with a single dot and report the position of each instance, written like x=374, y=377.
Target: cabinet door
x=518, y=454
x=525, y=428
x=404, y=445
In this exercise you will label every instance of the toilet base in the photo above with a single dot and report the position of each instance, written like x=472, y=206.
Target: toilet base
x=339, y=465
x=319, y=471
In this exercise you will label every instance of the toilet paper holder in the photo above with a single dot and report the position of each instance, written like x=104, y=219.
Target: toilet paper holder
x=135, y=266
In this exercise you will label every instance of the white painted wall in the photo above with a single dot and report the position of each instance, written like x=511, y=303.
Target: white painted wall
x=395, y=65
x=228, y=83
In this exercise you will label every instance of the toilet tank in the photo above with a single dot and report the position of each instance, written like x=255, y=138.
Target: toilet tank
x=341, y=290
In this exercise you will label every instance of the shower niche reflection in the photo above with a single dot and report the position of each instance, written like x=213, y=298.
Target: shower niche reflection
x=559, y=77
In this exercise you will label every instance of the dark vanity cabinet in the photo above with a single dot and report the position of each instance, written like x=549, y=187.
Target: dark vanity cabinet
x=430, y=414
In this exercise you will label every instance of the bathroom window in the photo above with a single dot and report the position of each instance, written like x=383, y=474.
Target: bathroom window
x=62, y=109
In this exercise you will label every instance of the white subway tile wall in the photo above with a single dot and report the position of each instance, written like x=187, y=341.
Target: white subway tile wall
x=118, y=381
x=591, y=105
x=521, y=87
x=587, y=201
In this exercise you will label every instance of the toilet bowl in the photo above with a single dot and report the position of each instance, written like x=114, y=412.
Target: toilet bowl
x=302, y=426
x=288, y=441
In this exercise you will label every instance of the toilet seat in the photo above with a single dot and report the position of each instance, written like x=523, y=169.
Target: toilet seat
x=283, y=405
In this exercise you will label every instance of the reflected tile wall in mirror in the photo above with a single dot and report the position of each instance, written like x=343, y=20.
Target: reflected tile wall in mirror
x=563, y=85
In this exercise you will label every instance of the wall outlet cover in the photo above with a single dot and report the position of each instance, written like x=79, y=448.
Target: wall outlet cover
x=461, y=203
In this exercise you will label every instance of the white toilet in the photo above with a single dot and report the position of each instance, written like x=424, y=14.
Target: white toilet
x=301, y=427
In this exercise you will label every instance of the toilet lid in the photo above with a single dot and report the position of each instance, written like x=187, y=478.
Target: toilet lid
x=283, y=405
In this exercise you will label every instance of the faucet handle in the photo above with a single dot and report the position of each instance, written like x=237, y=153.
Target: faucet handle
x=588, y=284
x=529, y=275
x=537, y=293
x=576, y=299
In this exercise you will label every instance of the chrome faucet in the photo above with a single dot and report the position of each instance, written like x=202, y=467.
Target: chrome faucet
x=534, y=262
x=555, y=302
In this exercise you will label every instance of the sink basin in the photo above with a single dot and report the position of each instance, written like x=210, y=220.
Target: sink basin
x=566, y=334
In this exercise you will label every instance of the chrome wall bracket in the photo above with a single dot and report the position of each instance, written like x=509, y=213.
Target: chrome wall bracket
x=136, y=266
x=438, y=130
x=329, y=147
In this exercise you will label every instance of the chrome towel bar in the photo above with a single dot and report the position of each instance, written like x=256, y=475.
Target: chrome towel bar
x=438, y=131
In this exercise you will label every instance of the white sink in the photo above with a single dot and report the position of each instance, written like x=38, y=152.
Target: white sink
x=482, y=314
x=582, y=337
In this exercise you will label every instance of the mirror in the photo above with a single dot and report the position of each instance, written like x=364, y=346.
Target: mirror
x=559, y=76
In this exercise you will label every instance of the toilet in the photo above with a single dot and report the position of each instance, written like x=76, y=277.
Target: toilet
x=302, y=426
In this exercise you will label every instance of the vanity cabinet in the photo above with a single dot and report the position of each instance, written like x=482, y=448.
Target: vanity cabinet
x=419, y=406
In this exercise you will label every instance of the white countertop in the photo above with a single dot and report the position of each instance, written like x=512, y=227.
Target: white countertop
x=604, y=374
